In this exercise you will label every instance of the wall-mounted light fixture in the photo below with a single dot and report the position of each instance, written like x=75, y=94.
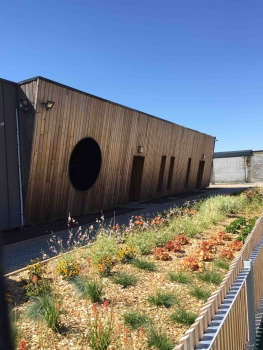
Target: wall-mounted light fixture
x=203, y=156
x=24, y=104
x=49, y=105
x=140, y=149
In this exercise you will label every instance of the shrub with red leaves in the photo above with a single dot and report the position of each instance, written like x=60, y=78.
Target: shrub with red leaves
x=236, y=245
x=204, y=254
x=209, y=245
x=221, y=237
x=173, y=246
x=161, y=254
x=182, y=239
x=193, y=263
x=224, y=236
x=227, y=253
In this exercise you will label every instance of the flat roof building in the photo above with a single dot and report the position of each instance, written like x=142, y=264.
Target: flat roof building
x=79, y=153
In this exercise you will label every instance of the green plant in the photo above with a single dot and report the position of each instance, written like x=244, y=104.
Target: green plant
x=183, y=316
x=210, y=276
x=36, y=269
x=36, y=287
x=222, y=204
x=163, y=299
x=186, y=225
x=158, y=340
x=222, y=264
x=47, y=308
x=144, y=265
x=68, y=268
x=124, y=279
x=134, y=320
x=200, y=293
x=246, y=230
x=91, y=289
x=126, y=254
x=254, y=195
x=100, y=330
x=102, y=254
x=104, y=266
x=15, y=331
x=36, y=283
x=162, y=236
x=103, y=246
x=236, y=225
x=179, y=277
x=142, y=243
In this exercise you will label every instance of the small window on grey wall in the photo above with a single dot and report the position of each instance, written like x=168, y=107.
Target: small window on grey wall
x=161, y=174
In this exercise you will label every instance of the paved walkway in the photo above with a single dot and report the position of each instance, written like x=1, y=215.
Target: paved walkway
x=19, y=255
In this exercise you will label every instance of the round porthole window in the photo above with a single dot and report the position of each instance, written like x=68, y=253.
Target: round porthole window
x=85, y=164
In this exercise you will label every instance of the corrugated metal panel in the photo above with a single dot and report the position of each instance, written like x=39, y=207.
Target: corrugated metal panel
x=229, y=170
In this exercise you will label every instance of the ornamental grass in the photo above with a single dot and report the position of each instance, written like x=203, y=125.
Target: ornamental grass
x=84, y=304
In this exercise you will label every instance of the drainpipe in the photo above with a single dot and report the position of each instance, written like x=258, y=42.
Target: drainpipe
x=19, y=170
x=246, y=170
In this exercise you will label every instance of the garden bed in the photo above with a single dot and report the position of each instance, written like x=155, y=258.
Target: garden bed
x=188, y=251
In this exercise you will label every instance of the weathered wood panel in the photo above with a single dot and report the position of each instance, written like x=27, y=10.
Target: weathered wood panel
x=119, y=131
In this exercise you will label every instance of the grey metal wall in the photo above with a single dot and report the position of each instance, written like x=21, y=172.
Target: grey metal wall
x=10, y=215
x=227, y=170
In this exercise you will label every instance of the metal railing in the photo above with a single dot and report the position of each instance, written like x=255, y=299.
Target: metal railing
x=231, y=317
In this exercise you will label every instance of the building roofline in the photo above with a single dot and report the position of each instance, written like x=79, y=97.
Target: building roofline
x=229, y=154
x=105, y=100
x=8, y=81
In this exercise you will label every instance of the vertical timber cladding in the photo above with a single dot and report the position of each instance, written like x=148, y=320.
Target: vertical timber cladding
x=119, y=131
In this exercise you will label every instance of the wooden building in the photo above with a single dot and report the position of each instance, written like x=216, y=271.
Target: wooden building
x=86, y=154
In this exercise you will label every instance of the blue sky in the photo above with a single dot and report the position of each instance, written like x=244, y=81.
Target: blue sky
x=195, y=63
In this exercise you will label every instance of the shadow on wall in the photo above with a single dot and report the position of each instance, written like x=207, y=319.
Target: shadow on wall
x=26, y=119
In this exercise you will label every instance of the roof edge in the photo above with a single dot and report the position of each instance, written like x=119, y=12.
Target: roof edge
x=232, y=154
x=8, y=81
x=105, y=100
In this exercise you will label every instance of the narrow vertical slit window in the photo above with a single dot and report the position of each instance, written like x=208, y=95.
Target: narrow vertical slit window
x=161, y=174
x=200, y=174
x=170, y=175
x=188, y=172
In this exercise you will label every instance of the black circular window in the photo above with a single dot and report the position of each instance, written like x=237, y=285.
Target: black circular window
x=84, y=164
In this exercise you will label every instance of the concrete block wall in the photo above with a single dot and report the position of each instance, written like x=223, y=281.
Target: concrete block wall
x=227, y=170
x=256, y=167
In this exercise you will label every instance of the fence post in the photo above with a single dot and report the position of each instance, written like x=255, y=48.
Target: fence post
x=251, y=343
